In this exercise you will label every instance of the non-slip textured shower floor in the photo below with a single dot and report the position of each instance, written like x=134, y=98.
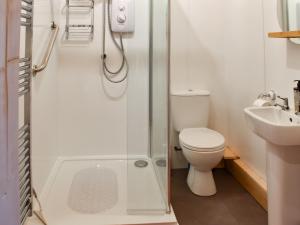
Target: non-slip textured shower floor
x=102, y=192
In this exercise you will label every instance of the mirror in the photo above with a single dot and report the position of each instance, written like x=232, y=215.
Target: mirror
x=291, y=17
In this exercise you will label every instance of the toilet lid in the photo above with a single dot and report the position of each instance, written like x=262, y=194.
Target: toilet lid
x=201, y=139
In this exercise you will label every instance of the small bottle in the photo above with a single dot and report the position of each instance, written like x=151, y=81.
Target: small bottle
x=297, y=97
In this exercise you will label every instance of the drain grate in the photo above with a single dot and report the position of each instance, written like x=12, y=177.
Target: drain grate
x=141, y=163
x=161, y=163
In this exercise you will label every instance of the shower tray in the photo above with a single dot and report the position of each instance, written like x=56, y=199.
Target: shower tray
x=76, y=185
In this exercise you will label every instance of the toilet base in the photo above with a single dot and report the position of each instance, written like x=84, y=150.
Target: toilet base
x=201, y=183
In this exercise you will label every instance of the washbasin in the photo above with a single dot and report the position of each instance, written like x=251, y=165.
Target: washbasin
x=274, y=125
x=281, y=130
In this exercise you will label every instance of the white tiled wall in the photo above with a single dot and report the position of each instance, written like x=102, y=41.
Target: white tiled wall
x=75, y=111
x=92, y=113
x=282, y=56
x=44, y=99
x=244, y=61
x=197, y=55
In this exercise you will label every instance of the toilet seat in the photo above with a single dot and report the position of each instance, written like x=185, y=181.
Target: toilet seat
x=202, y=140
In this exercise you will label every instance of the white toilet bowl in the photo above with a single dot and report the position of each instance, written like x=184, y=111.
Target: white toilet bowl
x=204, y=149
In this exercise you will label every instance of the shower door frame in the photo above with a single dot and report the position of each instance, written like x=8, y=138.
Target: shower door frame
x=168, y=19
x=9, y=71
x=169, y=145
x=169, y=102
x=168, y=37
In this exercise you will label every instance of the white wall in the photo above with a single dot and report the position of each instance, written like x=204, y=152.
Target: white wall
x=224, y=47
x=219, y=46
x=75, y=111
x=197, y=56
x=282, y=64
x=260, y=62
x=244, y=40
x=92, y=113
x=44, y=99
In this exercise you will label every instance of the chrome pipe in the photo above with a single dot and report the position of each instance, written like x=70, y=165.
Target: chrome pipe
x=24, y=143
x=27, y=8
x=21, y=93
x=25, y=24
x=23, y=160
x=24, y=214
x=23, y=197
x=25, y=67
x=80, y=25
x=23, y=151
x=24, y=184
x=25, y=201
x=81, y=6
x=22, y=60
x=25, y=127
x=23, y=136
x=24, y=76
x=26, y=15
x=44, y=63
x=24, y=84
x=22, y=171
x=27, y=1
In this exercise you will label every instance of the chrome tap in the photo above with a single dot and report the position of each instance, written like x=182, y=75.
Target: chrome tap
x=269, y=96
x=285, y=106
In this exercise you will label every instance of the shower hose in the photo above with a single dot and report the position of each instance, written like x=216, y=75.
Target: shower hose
x=109, y=73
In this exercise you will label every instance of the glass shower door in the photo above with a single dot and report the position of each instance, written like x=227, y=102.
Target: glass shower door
x=148, y=120
x=159, y=96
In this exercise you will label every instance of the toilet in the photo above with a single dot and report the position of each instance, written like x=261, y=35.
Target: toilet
x=202, y=147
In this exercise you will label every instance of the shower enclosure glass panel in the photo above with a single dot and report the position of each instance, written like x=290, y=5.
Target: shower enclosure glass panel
x=148, y=164
x=159, y=95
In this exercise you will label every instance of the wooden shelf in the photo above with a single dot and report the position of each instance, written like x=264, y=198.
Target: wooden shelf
x=230, y=155
x=289, y=34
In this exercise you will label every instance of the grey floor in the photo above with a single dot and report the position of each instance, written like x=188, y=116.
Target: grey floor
x=232, y=205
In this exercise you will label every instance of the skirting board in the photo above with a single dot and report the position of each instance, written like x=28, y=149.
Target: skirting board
x=249, y=180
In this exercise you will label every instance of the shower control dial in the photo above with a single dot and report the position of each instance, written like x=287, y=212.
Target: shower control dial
x=122, y=7
x=121, y=18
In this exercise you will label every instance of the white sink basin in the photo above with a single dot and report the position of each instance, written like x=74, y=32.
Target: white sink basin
x=274, y=125
x=281, y=130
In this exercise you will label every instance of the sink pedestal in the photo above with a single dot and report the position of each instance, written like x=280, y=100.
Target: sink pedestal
x=283, y=172
x=281, y=130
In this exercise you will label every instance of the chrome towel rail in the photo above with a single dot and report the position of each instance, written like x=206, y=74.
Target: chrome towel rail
x=44, y=63
x=24, y=142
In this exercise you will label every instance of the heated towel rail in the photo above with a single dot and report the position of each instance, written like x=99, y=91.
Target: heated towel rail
x=24, y=92
x=44, y=63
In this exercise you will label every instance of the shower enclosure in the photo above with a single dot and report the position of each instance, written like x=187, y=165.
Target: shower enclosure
x=91, y=151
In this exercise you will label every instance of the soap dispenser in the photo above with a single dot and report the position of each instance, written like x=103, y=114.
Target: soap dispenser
x=297, y=97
